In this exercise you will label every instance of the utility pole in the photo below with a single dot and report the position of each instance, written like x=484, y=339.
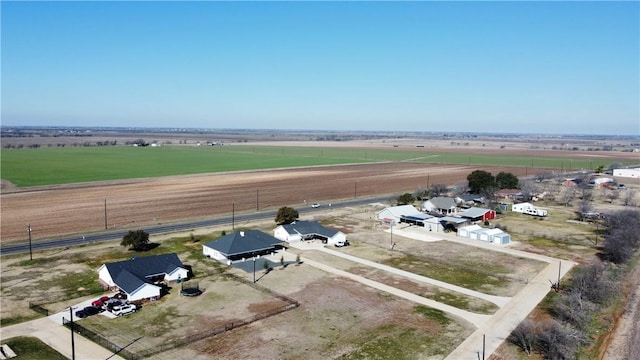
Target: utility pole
x=254, y=269
x=558, y=283
x=391, y=245
x=483, y=345
x=105, y=214
x=257, y=200
x=355, y=191
x=73, y=347
x=30, y=252
x=233, y=215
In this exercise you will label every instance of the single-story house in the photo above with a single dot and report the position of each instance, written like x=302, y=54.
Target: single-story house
x=394, y=213
x=469, y=199
x=138, y=276
x=466, y=230
x=509, y=194
x=439, y=204
x=241, y=245
x=478, y=214
x=308, y=230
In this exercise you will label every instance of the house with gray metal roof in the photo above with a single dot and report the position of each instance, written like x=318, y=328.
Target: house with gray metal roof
x=308, y=230
x=241, y=245
x=441, y=205
x=138, y=277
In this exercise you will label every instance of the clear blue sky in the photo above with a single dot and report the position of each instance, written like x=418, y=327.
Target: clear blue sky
x=521, y=67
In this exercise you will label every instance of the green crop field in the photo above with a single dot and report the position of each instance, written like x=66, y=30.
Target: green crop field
x=50, y=166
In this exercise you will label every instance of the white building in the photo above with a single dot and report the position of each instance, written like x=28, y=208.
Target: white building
x=308, y=230
x=394, y=213
x=627, y=173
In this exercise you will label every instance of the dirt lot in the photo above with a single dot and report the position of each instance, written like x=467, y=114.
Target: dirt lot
x=77, y=209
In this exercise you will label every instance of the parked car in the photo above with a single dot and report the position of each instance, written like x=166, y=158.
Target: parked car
x=342, y=243
x=100, y=302
x=111, y=303
x=88, y=311
x=123, y=310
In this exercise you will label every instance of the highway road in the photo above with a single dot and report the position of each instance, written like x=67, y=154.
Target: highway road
x=161, y=229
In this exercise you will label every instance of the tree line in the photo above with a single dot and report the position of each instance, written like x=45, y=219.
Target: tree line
x=577, y=306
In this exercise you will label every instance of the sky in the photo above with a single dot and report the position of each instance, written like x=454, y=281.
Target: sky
x=496, y=67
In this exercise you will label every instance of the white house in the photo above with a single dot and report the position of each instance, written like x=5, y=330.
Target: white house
x=395, y=213
x=442, y=205
x=137, y=276
x=308, y=230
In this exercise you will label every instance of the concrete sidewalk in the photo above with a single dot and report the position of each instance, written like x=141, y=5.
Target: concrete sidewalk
x=498, y=300
x=499, y=327
x=476, y=319
x=59, y=338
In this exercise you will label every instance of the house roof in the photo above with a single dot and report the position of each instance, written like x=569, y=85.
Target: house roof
x=474, y=212
x=508, y=192
x=400, y=210
x=451, y=219
x=308, y=228
x=471, y=198
x=145, y=266
x=442, y=202
x=243, y=242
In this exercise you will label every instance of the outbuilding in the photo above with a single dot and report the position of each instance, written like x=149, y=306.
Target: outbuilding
x=466, y=230
x=478, y=214
x=487, y=234
x=501, y=239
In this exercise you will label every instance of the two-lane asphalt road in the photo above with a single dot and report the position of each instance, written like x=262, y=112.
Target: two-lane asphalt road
x=160, y=229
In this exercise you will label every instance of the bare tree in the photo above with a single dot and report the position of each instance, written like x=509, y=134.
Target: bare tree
x=612, y=195
x=557, y=342
x=460, y=188
x=622, y=235
x=438, y=190
x=567, y=195
x=628, y=198
x=524, y=336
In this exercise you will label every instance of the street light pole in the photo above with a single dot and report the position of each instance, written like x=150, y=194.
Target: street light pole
x=30, y=252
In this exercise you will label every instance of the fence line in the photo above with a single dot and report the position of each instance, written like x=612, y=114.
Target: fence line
x=200, y=335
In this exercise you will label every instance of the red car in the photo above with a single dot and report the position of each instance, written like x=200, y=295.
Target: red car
x=100, y=302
